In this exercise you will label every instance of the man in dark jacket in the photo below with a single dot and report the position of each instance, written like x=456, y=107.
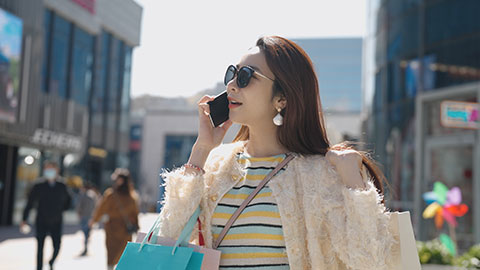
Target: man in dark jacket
x=50, y=197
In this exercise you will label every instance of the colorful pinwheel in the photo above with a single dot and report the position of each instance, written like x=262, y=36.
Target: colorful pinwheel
x=444, y=204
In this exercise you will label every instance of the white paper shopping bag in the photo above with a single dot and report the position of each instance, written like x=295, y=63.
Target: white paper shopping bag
x=402, y=225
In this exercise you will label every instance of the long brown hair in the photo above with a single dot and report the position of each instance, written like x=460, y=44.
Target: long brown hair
x=126, y=188
x=303, y=130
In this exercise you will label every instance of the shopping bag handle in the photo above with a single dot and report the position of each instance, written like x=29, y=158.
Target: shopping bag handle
x=187, y=230
x=151, y=236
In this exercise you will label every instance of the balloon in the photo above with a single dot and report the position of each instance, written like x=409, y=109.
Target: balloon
x=448, y=243
x=441, y=191
x=457, y=210
x=454, y=196
x=431, y=210
x=430, y=197
x=450, y=218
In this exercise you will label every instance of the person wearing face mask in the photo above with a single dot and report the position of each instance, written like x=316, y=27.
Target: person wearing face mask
x=50, y=197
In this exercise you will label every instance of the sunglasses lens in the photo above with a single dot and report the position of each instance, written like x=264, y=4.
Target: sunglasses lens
x=229, y=75
x=243, y=77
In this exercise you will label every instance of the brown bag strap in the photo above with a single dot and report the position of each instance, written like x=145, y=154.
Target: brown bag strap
x=250, y=198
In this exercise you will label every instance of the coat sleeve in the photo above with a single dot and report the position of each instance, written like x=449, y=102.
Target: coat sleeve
x=68, y=198
x=32, y=200
x=183, y=193
x=358, y=226
x=102, y=205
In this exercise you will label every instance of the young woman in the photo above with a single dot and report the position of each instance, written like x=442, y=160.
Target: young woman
x=324, y=210
x=120, y=204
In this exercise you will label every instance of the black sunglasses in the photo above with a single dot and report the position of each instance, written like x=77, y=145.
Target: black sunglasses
x=244, y=74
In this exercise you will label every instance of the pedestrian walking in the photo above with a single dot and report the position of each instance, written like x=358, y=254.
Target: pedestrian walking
x=87, y=200
x=50, y=198
x=120, y=204
x=322, y=210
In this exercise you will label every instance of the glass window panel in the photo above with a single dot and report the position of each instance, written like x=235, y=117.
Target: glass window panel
x=47, y=19
x=177, y=150
x=59, y=56
x=125, y=101
x=82, y=66
x=113, y=82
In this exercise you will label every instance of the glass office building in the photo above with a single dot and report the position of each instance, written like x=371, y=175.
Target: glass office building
x=338, y=64
x=73, y=95
x=419, y=54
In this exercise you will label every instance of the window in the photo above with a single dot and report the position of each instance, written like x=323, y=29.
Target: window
x=98, y=96
x=47, y=23
x=177, y=150
x=113, y=82
x=82, y=64
x=125, y=100
x=59, y=57
x=447, y=19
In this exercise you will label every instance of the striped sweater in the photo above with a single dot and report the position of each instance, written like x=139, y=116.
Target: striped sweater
x=255, y=240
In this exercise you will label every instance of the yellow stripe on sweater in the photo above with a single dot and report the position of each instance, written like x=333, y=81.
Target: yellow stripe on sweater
x=247, y=215
x=241, y=236
x=268, y=159
x=252, y=255
x=244, y=196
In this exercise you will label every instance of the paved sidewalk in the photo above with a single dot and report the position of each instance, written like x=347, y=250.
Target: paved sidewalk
x=18, y=252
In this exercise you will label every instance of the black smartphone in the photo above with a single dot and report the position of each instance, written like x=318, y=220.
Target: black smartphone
x=219, y=109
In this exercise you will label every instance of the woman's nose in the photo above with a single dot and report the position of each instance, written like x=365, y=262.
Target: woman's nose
x=232, y=86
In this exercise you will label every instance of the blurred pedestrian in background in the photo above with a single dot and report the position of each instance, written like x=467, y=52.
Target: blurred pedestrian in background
x=87, y=200
x=119, y=203
x=50, y=197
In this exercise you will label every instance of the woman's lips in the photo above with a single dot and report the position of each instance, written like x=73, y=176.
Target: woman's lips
x=234, y=105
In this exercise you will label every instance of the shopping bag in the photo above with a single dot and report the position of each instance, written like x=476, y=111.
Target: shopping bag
x=402, y=226
x=211, y=257
x=149, y=255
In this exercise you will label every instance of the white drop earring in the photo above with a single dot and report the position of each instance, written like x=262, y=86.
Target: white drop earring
x=278, y=119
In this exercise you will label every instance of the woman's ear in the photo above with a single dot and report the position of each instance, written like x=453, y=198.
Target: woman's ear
x=280, y=102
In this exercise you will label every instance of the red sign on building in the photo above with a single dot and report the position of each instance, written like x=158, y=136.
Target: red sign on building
x=86, y=4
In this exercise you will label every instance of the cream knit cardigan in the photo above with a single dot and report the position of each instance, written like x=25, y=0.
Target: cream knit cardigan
x=325, y=224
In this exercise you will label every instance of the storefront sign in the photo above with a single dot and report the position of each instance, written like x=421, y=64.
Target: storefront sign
x=458, y=114
x=56, y=139
x=97, y=152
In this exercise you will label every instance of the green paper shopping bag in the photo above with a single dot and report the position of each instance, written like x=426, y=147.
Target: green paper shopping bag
x=148, y=255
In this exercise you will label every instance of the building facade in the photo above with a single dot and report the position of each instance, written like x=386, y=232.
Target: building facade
x=163, y=131
x=421, y=55
x=338, y=64
x=73, y=94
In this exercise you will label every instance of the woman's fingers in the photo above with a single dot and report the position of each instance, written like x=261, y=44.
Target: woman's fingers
x=203, y=107
x=226, y=125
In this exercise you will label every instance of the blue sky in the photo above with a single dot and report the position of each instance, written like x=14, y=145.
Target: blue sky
x=187, y=45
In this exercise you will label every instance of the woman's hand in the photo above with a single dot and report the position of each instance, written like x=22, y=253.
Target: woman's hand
x=348, y=163
x=209, y=137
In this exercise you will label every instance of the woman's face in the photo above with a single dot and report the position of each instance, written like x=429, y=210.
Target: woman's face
x=119, y=181
x=257, y=106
